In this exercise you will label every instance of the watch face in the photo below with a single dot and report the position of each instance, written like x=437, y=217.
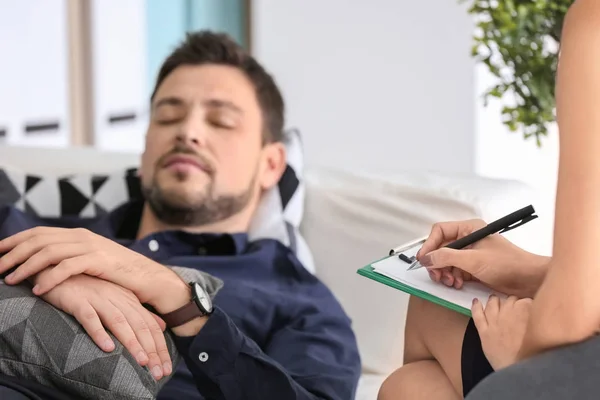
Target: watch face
x=202, y=298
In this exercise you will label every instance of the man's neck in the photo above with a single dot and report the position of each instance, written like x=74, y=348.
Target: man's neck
x=238, y=223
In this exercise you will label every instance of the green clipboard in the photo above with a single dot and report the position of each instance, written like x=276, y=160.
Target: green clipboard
x=369, y=272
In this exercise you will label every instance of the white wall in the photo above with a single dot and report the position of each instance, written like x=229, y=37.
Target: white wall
x=373, y=85
x=388, y=85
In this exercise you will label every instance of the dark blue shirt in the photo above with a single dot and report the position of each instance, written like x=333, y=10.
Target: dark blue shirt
x=277, y=332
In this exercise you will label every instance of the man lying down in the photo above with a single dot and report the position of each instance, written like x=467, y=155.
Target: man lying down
x=213, y=149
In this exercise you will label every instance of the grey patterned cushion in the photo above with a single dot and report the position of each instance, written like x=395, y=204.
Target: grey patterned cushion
x=43, y=344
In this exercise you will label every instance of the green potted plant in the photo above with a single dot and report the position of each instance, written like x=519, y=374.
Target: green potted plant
x=518, y=41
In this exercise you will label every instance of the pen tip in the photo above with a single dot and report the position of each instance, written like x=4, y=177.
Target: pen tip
x=415, y=265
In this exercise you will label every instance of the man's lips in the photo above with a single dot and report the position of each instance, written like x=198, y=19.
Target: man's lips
x=175, y=161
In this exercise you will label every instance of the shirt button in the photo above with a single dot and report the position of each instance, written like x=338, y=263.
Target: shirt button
x=153, y=245
x=203, y=357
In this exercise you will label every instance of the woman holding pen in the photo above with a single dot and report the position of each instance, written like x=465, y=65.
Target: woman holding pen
x=540, y=348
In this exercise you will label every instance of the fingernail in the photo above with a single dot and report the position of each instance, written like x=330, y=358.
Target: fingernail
x=109, y=345
x=475, y=301
x=36, y=289
x=141, y=357
x=447, y=281
x=426, y=260
x=157, y=372
x=9, y=277
x=431, y=274
x=167, y=368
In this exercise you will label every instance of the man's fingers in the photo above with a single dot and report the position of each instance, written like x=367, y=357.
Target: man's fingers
x=22, y=250
x=21, y=246
x=115, y=321
x=45, y=257
x=138, y=323
x=11, y=242
x=158, y=337
x=160, y=322
x=479, y=317
x=64, y=270
x=90, y=321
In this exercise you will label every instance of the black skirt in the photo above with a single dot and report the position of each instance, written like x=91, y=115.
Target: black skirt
x=474, y=365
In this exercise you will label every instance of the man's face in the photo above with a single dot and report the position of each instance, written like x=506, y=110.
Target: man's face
x=204, y=159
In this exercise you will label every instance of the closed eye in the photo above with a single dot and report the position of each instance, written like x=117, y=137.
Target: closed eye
x=222, y=125
x=167, y=113
x=222, y=121
x=167, y=121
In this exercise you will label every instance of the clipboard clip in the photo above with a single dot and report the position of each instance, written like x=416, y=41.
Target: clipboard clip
x=518, y=224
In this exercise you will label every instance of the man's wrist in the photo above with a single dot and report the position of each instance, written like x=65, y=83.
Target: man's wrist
x=173, y=293
x=190, y=328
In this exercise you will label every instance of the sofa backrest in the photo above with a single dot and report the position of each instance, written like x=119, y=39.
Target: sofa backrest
x=353, y=219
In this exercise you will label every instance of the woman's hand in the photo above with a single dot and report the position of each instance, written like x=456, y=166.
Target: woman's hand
x=494, y=261
x=501, y=326
x=97, y=304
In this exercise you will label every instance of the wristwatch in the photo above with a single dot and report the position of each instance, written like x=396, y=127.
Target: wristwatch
x=200, y=306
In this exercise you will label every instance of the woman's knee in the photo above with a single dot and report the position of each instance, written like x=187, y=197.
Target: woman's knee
x=419, y=380
x=397, y=384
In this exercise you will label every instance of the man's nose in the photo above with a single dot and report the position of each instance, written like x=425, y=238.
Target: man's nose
x=193, y=132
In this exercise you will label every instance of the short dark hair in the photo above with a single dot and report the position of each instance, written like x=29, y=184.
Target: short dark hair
x=205, y=47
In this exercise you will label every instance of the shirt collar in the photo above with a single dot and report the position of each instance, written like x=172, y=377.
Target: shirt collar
x=123, y=223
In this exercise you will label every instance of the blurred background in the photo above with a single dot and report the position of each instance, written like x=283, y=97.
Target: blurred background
x=377, y=86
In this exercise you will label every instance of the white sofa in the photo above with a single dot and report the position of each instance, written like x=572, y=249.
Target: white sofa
x=350, y=220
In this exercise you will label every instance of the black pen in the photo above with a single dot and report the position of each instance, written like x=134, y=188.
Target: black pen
x=504, y=224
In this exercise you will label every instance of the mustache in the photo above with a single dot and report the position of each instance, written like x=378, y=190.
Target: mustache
x=187, y=151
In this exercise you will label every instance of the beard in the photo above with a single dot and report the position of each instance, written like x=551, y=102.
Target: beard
x=208, y=207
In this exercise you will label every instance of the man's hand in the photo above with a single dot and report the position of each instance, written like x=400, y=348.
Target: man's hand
x=494, y=261
x=501, y=327
x=78, y=251
x=97, y=304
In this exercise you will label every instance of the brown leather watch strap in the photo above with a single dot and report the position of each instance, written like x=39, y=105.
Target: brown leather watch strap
x=182, y=315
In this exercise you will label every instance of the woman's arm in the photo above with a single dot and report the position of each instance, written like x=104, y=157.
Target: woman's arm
x=567, y=306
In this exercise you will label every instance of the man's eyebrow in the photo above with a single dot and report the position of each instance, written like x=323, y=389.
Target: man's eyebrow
x=216, y=103
x=168, y=101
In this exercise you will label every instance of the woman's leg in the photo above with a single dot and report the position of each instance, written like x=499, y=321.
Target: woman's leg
x=432, y=355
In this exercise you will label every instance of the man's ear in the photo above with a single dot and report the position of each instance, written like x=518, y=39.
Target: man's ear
x=274, y=161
